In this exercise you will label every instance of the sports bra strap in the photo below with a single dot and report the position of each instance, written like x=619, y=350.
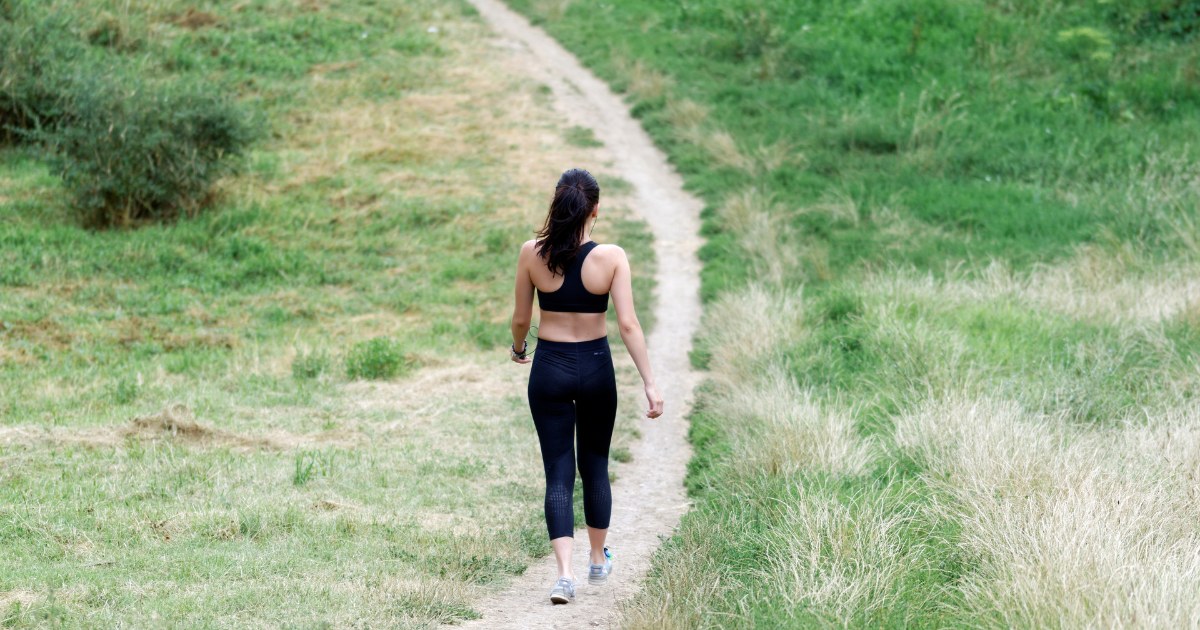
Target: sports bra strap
x=572, y=296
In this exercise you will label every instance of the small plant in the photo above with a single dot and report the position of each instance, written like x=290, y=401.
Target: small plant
x=378, y=358
x=310, y=365
x=312, y=464
x=127, y=390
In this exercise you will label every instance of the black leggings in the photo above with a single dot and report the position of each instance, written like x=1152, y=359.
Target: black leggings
x=573, y=395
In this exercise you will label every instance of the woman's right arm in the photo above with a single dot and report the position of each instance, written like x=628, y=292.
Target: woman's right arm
x=522, y=316
x=631, y=331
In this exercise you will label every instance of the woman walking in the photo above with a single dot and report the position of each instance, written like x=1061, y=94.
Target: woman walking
x=572, y=386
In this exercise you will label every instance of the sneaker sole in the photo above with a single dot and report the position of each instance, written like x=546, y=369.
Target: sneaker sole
x=597, y=581
x=559, y=599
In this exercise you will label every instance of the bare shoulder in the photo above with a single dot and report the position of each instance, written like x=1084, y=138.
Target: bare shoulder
x=528, y=249
x=609, y=251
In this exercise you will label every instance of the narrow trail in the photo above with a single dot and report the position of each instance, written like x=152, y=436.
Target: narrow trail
x=648, y=497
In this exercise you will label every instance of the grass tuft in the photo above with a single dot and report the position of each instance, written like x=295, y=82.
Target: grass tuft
x=378, y=358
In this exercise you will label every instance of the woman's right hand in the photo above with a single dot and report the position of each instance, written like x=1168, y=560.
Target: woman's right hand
x=655, y=401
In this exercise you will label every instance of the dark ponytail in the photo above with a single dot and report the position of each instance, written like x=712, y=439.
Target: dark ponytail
x=575, y=196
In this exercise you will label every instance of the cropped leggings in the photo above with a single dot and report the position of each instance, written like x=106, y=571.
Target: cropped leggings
x=573, y=398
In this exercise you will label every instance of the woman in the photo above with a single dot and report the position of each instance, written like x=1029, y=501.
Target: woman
x=572, y=387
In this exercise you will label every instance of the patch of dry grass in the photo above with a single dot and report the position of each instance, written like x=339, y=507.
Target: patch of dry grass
x=1093, y=285
x=1087, y=527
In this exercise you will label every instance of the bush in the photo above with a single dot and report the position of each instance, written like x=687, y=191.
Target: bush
x=139, y=152
x=129, y=150
x=377, y=358
x=34, y=58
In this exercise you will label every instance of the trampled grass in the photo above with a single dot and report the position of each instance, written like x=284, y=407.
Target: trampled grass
x=182, y=441
x=951, y=322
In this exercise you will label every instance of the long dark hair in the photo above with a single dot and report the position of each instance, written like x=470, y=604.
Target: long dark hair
x=575, y=196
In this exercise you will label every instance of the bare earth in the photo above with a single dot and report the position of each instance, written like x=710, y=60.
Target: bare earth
x=648, y=498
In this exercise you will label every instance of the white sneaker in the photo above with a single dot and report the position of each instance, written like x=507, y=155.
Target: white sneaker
x=563, y=591
x=598, y=573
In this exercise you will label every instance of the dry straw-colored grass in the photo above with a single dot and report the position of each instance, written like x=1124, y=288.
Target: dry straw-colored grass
x=766, y=236
x=1076, y=527
x=780, y=430
x=843, y=559
x=747, y=331
x=725, y=151
x=1093, y=285
x=684, y=114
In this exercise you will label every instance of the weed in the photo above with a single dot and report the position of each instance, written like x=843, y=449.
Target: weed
x=127, y=390
x=309, y=465
x=310, y=365
x=378, y=358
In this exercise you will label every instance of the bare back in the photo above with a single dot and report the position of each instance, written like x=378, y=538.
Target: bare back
x=597, y=274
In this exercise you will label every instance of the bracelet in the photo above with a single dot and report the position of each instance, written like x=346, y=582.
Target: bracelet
x=522, y=354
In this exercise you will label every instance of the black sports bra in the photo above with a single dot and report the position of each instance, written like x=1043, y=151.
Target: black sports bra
x=572, y=296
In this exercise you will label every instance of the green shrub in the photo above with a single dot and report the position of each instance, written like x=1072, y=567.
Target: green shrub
x=34, y=74
x=129, y=150
x=377, y=358
x=136, y=152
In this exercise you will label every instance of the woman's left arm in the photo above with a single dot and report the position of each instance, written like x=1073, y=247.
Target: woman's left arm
x=523, y=301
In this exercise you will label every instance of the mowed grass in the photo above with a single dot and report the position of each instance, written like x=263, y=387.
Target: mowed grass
x=951, y=322
x=295, y=409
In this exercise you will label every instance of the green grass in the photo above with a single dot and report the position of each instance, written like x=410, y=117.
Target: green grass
x=294, y=408
x=898, y=151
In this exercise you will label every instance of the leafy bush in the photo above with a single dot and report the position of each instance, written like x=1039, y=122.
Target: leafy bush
x=139, y=152
x=129, y=150
x=377, y=358
x=33, y=75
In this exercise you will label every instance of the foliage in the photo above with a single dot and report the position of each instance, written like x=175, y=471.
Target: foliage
x=130, y=150
x=377, y=358
x=135, y=152
x=35, y=76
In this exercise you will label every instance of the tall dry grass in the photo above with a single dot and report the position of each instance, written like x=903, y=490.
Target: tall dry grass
x=1069, y=526
x=1055, y=522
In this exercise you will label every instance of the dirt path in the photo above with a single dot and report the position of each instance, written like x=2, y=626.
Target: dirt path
x=648, y=497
